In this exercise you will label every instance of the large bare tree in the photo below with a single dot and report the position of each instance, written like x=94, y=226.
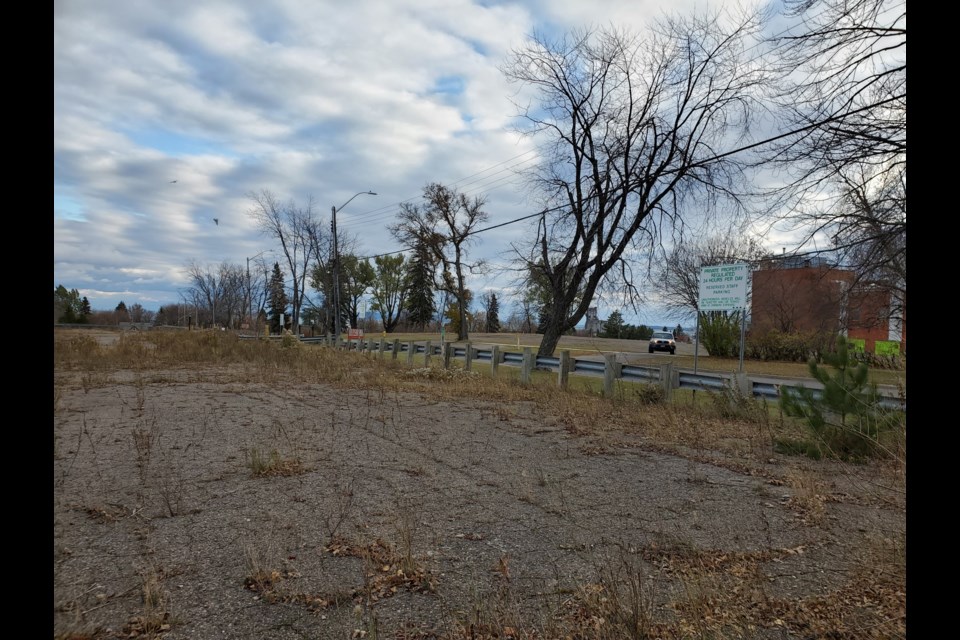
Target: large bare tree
x=633, y=129
x=843, y=95
x=445, y=224
x=219, y=292
x=298, y=231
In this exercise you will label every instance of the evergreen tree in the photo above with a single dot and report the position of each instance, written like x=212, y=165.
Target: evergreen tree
x=846, y=417
x=85, y=310
x=613, y=327
x=420, y=286
x=122, y=314
x=278, y=298
x=493, y=314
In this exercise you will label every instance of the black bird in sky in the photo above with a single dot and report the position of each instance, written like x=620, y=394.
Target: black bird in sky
x=172, y=181
x=216, y=221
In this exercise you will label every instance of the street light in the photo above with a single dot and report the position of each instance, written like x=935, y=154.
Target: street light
x=336, y=264
x=250, y=287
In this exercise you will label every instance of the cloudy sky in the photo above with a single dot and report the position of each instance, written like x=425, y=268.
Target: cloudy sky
x=167, y=115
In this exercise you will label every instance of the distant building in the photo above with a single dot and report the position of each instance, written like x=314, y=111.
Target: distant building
x=809, y=294
x=877, y=317
x=594, y=326
x=798, y=294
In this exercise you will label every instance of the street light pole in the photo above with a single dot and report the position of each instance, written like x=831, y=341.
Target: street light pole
x=336, y=264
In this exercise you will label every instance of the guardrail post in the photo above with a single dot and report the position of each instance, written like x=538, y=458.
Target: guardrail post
x=742, y=385
x=495, y=360
x=564, y=375
x=427, y=349
x=411, y=349
x=610, y=373
x=396, y=348
x=669, y=379
x=447, y=354
x=468, y=357
x=526, y=371
x=383, y=346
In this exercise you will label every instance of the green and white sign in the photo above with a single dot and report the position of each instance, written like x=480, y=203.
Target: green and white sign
x=723, y=287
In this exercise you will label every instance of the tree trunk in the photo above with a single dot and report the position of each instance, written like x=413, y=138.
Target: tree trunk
x=551, y=337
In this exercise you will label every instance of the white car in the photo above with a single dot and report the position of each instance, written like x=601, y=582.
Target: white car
x=662, y=341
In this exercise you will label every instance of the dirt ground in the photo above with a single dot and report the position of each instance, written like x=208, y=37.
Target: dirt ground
x=389, y=514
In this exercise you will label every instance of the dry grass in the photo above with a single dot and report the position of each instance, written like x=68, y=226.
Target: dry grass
x=272, y=464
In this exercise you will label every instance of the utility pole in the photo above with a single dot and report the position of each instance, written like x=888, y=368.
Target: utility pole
x=336, y=277
x=336, y=262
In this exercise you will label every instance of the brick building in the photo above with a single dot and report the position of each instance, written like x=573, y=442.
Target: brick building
x=808, y=294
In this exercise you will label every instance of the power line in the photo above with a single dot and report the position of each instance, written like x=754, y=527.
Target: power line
x=706, y=160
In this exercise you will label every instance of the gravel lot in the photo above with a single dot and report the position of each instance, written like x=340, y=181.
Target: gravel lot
x=391, y=514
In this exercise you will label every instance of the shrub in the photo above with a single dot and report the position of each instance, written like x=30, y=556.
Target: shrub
x=794, y=346
x=720, y=333
x=650, y=394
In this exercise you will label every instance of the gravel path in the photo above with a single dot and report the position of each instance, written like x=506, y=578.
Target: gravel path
x=392, y=515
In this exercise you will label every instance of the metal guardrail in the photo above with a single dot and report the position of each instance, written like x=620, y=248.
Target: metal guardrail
x=644, y=374
x=706, y=382
x=703, y=381
x=547, y=361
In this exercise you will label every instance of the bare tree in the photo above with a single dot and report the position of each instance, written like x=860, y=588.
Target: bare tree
x=256, y=292
x=218, y=292
x=445, y=225
x=633, y=129
x=298, y=231
x=871, y=235
x=844, y=97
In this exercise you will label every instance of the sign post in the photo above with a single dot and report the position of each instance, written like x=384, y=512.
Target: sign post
x=354, y=334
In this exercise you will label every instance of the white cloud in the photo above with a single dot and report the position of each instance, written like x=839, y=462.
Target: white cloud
x=319, y=99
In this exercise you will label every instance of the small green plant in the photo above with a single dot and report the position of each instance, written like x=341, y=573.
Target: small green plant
x=846, y=418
